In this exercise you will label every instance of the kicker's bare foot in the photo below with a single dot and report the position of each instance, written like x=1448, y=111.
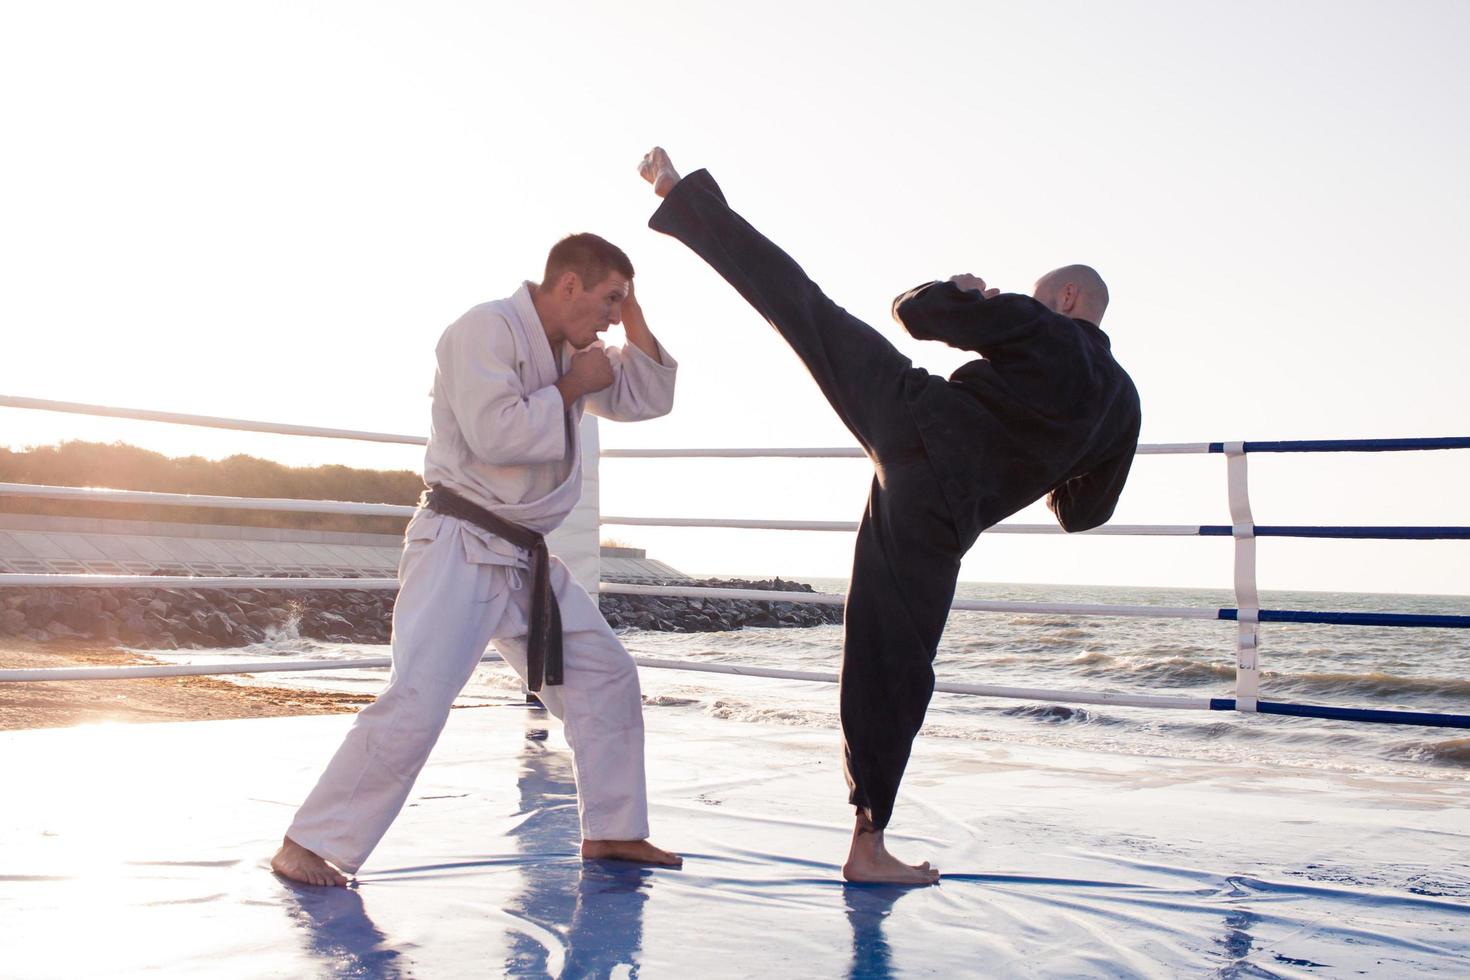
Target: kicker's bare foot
x=297, y=863
x=658, y=170
x=637, y=851
x=869, y=860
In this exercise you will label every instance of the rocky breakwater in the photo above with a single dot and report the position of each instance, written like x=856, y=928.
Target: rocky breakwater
x=183, y=617
x=171, y=618
x=681, y=615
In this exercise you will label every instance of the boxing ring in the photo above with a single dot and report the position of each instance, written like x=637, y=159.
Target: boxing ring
x=1244, y=532
x=144, y=848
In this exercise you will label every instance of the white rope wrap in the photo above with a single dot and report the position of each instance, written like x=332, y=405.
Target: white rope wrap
x=1247, y=595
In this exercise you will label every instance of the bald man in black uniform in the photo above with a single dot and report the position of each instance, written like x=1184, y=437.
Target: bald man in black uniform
x=1045, y=411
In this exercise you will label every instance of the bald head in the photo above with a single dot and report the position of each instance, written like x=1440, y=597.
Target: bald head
x=1073, y=290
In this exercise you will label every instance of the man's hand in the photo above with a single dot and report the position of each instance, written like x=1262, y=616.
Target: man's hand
x=973, y=284
x=630, y=304
x=658, y=170
x=636, y=328
x=590, y=371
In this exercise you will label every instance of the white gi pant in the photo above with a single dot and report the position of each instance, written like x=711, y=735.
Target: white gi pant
x=450, y=607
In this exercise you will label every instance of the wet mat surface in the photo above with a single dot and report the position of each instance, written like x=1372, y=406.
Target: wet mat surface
x=144, y=848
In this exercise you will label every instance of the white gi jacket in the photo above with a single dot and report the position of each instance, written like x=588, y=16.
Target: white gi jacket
x=500, y=435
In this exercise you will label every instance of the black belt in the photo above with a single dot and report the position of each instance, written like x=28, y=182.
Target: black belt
x=543, y=646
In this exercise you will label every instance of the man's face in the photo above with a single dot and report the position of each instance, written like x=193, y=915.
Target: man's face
x=591, y=311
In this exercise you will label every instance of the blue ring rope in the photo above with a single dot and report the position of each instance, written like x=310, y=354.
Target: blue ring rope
x=1354, y=618
x=1349, y=714
x=1399, y=533
x=1349, y=445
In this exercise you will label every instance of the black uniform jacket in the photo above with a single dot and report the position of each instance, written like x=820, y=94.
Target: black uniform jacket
x=1045, y=410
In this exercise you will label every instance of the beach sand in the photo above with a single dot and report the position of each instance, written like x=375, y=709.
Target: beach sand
x=58, y=704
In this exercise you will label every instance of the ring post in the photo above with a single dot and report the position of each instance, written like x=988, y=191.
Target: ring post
x=1247, y=596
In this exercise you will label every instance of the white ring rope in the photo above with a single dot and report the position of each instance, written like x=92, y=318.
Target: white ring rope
x=320, y=432
x=968, y=605
x=208, y=421
x=95, y=495
x=79, y=581
x=60, y=580
x=843, y=452
x=296, y=505
x=1177, y=530
x=266, y=667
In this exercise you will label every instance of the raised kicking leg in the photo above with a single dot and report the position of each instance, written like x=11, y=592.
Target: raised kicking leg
x=863, y=376
x=907, y=557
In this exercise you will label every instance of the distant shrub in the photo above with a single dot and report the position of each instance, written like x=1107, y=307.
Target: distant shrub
x=119, y=466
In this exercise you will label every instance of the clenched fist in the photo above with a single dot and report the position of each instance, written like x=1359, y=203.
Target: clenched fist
x=590, y=371
x=973, y=284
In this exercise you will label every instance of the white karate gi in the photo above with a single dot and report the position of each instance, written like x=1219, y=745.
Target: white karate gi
x=501, y=438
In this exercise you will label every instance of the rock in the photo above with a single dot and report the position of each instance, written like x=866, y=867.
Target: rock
x=12, y=621
x=265, y=618
x=40, y=614
x=218, y=625
x=78, y=618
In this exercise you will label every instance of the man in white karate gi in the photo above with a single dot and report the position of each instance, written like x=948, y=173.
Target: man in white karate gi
x=513, y=379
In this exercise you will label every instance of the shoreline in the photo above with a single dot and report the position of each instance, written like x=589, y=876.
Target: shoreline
x=62, y=704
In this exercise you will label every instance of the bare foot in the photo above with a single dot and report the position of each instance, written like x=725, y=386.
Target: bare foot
x=297, y=863
x=637, y=851
x=658, y=170
x=869, y=860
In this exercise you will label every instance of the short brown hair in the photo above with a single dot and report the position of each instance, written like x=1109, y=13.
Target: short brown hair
x=589, y=256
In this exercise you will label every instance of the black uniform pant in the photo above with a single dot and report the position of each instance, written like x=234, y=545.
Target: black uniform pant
x=908, y=551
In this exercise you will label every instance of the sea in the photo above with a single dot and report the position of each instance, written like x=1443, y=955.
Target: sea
x=1413, y=669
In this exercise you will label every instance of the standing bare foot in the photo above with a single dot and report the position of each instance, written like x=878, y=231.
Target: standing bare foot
x=637, y=851
x=297, y=863
x=658, y=170
x=869, y=860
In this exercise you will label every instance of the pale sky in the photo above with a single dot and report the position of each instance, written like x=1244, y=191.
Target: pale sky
x=272, y=210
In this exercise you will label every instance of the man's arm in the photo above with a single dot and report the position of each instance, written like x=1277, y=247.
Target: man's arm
x=591, y=370
x=642, y=386
x=501, y=422
x=962, y=313
x=636, y=327
x=1087, y=501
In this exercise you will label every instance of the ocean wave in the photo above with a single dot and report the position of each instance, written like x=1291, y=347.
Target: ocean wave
x=1170, y=671
x=729, y=709
x=1061, y=714
x=1058, y=638
x=667, y=701
x=1033, y=620
x=1450, y=751
x=1371, y=684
